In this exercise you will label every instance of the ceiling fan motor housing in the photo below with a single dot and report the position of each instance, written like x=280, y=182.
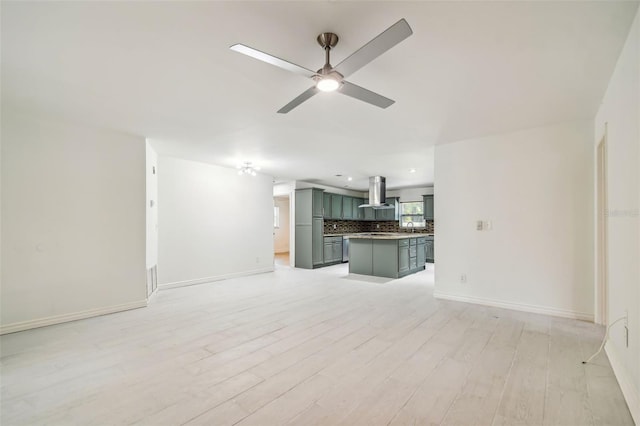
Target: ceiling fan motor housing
x=327, y=40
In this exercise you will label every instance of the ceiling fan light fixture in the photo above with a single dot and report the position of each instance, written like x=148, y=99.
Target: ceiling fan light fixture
x=327, y=84
x=247, y=169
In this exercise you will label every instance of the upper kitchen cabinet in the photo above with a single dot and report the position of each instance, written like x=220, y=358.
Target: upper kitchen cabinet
x=317, y=203
x=347, y=208
x=428, y=206
x=389, y=213
x=336, y=206
x=326, y=205
x=357, y=212
x=332, y=204
x=369, y=212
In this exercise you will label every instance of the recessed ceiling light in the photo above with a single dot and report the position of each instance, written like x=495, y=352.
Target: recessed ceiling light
x=349, y=178
x=412, y=170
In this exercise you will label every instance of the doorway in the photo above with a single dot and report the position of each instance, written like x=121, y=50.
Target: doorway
x=281, y=222
x=601, y=232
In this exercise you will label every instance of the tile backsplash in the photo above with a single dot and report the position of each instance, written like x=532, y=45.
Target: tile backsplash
x=354, y=226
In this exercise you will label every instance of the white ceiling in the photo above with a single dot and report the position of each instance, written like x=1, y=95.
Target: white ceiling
x=163, y=70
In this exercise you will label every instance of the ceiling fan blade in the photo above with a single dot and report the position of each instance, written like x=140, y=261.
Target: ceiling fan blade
x=270, y=59
x=376, y=47
x=365, y=95
x=300, y=99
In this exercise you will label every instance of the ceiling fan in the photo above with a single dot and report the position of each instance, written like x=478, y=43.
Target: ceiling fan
x=329, y=78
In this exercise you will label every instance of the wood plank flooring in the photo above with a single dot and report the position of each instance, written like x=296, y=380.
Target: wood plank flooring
x=298, y=347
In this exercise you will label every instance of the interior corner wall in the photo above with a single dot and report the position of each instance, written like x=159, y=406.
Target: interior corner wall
x=620, y=113
x=73, y=222
x=213, y=224
x=281, y=234
x=535, y=187
x=152, y=206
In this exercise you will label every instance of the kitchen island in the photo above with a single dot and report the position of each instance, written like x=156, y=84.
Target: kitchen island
x=388, y=255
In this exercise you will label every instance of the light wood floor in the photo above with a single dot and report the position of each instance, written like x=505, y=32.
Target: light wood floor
x=300, y=347
x=281, y=259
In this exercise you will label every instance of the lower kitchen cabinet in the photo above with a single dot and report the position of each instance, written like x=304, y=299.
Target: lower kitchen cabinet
x=421, y=257
x=317, y=231
x=403, y=256
x=332, y=250
x=360, y=256
x=429, y=250
x=384, y=257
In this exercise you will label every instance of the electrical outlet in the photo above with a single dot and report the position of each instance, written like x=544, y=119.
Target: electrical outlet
x=487, y=225
x=463, y=278
x=479, y=225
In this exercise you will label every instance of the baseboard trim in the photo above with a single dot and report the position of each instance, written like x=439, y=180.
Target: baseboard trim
x=630, y=393
x=59, y=319
x=205, y=280
x=515, y=306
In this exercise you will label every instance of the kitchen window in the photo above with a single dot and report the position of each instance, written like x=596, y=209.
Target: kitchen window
x=412, y=214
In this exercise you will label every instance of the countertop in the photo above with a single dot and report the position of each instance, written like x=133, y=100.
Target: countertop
x=381, y=235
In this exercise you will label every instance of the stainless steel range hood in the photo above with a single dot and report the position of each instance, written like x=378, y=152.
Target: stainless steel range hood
x=377, y=193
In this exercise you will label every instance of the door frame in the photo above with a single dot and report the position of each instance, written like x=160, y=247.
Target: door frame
x=602, y=265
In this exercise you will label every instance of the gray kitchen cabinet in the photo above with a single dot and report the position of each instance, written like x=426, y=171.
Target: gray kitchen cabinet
x=361, y=256
x=317, y=203
x=413, y=254
x=328, y=251
x=387, y=214
x=382, y=257
x=429, y=250
x=358, y=213
x=422, y=254
x=347, y=208
x=309, y=228
x=326, y=203
x=332, y=250
x=336, y=206
x=317, y=231
x=369, y=212
x=428, y=207
x=385, y=258
x=403, y=257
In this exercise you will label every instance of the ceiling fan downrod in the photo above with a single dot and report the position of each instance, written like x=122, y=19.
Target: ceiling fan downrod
x=327, y=41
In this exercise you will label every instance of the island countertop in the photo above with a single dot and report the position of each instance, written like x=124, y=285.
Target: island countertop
x=381, y=235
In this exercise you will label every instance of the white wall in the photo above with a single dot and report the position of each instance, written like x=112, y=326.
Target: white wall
x=152, y=206
x=410, y=194
x=535, y=186
x=73, y=222
x=281, y=234
x=212, y=222
x=620, y=111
